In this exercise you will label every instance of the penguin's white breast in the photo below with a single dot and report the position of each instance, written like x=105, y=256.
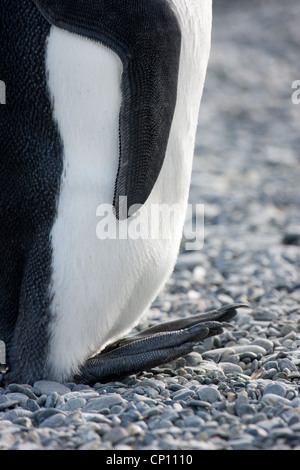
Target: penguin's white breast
x=84, y=83
x=100, y=287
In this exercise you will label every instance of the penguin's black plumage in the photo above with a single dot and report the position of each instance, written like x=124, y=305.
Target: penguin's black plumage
x=30, y=169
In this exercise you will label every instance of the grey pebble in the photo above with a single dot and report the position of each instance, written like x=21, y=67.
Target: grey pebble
x=32, y=405
x=231, y=368
x=43, y=414
x=209, y=394
x=272, y=399
x=183, y=394
x=73, y=404
x=104, y=402
x=52, y=400
x=54, y=421
x=19, y=397
x=24, y=389
x=116, y=435
x=47, y=387
x=8, y=404
x=276, y=389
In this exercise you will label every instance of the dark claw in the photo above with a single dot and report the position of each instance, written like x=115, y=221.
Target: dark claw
x=154, y=346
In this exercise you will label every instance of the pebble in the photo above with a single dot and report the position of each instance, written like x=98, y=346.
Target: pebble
x=47, y=387
x=275, y=389
x=209, y=394
x=103, y=403
x=272, y=399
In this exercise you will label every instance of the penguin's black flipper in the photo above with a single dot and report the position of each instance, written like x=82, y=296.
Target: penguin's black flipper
x=154, y=346
x=147, y=38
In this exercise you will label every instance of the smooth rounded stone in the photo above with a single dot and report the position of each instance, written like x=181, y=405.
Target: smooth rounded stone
x=296, y=403
x=73, y=404
x=8, y=404
x=266, y=315
x=45, y=413
x=149, y=412
x=132, y=415
x=199, y=273
x=270, y=399
x=281, y=432
x=287, y=329
x=231, y=368
x=51, y=400
x=294, y=375
x=295, y=427
x=11, y=415
x=74, y=417
x=275, y=389
x=135, y=430
x=271, y=373
x=23, y=421
x=25, y=389
x=104, y=402
x=242, y=406
x=158, y=385
x=209, y=394
x=115, y=435
x=271, y=365
x=243, y=350
x=265, y=343
x=158, y=423
x=218, y=354
x=19, y=397
x=96, y=418
x=233, y=358
x=42, y=400
x=174, y=387
x=290, y=394
x=32, y=405
x=247, y=350
x=136, y=397
x=183, y=394
x=48, y=387
x=288, y=343
x=54, y=421
x=246, y=410
x=288, y=364
x=193, y=359
x=87, y=394
x=193, y=421
x=3, y=399
x=199, y=404
x=242, y=443
x=89, y=432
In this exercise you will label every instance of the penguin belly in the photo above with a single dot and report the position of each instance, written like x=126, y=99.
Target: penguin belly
x=101, y=287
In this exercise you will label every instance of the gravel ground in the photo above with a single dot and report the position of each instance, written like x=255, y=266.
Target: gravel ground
x=240, y=390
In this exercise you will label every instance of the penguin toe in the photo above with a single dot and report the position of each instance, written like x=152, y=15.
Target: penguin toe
x=154, y=346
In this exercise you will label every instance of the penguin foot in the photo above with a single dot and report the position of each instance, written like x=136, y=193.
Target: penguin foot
x=154, y=346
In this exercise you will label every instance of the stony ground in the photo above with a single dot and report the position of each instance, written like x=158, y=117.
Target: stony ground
x=239, y=390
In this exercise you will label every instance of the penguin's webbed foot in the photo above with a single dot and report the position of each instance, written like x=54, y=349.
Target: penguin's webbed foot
x=154, y=346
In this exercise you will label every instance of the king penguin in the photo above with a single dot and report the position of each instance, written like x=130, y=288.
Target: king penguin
x=101, y=107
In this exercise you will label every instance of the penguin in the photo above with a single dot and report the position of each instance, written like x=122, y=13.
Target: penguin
x=102, y=100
